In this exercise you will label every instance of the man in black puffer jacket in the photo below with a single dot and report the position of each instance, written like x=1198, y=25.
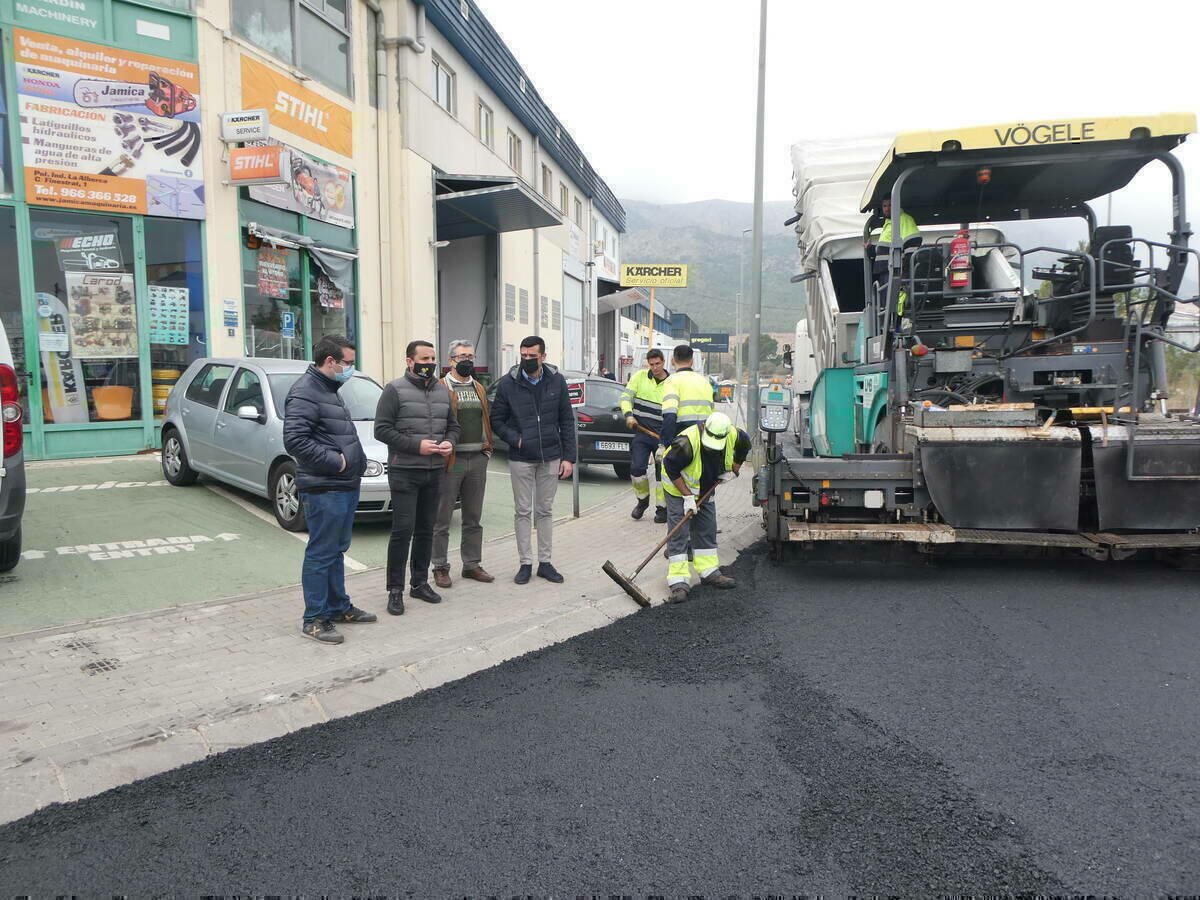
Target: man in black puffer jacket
x=533, y=414
x=319, y=434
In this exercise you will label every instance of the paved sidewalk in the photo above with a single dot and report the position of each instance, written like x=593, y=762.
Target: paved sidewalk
x=84, y=709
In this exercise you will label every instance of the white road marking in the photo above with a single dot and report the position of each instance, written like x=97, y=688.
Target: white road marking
x=301, y=536
x=90, y=461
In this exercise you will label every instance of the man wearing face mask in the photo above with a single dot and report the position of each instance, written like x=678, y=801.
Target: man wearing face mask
x=533, y=414
x=466, y=469
x=319, y=434
x=416, y=420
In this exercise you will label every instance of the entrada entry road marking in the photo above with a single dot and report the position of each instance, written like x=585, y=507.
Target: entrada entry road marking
x=102, y=486
x=301, y=536
x=155, y=546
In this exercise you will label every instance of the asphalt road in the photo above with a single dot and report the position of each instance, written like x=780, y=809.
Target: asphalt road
x=864, y=728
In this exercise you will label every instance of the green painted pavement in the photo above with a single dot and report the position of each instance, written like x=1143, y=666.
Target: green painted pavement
x=110, y=538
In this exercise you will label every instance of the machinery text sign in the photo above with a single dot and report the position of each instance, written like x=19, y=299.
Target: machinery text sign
x=656, y=275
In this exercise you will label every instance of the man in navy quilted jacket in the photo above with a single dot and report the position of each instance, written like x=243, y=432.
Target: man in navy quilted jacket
x=320, y=435
x=533, y=414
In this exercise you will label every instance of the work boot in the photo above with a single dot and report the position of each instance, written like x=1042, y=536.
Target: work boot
x=679, y=594
x=395, y=605
x=547, y=571
x=352, y=615
x=478, y=574
x=523, y=574
x=425, y=592
x=640, y=509
x=321, y=631
x=719, y=580
x=441, y=577
x=660, y=515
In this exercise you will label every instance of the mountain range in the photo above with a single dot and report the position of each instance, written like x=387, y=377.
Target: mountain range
x=707, y=236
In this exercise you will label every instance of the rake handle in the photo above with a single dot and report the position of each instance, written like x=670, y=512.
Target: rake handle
x=671, y=533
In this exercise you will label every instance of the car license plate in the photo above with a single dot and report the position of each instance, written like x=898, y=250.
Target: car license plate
x=611, y=445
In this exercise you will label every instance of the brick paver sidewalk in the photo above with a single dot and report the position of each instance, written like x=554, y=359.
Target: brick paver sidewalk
x=87, y=708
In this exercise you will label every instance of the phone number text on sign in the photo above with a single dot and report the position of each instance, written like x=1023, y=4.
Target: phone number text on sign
x=57, y=188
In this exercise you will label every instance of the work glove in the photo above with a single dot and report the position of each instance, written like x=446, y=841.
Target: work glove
x=727, y=476
x=660, y=453
x=689, y=505
x=630, y=423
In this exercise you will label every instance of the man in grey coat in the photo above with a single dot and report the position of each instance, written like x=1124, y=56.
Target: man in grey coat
x=416, y=420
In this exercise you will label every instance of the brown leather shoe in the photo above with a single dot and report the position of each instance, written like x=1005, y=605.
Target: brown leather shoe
x=441, y=577
x=478, y=574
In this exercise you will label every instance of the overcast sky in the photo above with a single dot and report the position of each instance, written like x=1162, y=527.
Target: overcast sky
x=660, y=94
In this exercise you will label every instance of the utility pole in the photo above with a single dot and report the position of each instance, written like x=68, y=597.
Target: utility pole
x=738, y=358
x=757, y=251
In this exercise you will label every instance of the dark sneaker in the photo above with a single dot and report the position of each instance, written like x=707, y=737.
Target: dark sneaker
x=425, y=592
x=396, y=602
x=478, y=574
x=640, y=509
x=320, y=630
x=354, y=616
x=523, y=575
x=660, y=515
x=441, y=577
x=547, y=571
x=719, y=580
x=679, y=594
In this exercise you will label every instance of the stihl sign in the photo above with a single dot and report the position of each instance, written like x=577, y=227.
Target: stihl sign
x=258, y=165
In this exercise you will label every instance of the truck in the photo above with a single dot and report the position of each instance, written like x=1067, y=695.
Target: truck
x=971, y=391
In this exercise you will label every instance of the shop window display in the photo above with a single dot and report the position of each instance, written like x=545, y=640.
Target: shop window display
x=88, y=324
x=175, y=283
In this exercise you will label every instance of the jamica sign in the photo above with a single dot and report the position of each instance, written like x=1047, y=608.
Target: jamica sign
x=108, y=129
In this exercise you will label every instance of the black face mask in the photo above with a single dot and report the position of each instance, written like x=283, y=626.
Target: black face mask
x=464, y=368
x=424, y=370
x=529, y=366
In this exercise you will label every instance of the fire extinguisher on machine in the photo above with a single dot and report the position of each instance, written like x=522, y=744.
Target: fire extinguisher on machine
x=960, y=261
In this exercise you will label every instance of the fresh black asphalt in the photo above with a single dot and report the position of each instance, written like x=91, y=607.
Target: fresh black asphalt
x=838, y=728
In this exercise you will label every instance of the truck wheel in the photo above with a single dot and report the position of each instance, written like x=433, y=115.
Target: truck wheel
x=622, y=470
x=175, y=466
x=285, y=498
x=10, y=552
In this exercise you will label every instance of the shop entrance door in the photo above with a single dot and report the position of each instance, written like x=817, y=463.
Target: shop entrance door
x=86, y=328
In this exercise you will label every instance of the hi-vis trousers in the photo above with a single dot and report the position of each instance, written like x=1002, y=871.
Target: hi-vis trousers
x=701, y=531
x=641, y=455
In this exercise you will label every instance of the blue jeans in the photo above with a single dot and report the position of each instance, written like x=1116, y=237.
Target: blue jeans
x=330, y=525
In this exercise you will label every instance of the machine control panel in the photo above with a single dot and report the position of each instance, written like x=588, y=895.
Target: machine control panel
x=775, y=408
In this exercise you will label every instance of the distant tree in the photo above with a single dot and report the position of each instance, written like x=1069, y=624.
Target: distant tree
x=768, y=350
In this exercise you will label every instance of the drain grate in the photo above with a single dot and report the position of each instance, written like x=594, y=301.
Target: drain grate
x=79, y=644
x=101, y=665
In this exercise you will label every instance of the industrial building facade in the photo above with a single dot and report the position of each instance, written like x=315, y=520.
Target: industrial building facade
x=411, y=183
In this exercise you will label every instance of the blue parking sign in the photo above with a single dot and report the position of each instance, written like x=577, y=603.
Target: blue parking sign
x=287, y=324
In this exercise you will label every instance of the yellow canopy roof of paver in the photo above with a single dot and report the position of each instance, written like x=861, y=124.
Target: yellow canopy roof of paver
x=1117, y=147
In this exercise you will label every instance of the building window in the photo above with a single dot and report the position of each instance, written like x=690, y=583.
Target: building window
x=444, y=85
x=578, y=212
x=313, y=35
x=485, y=123
x=547, y=182
x=524, y=306
x=514, y=153
x=510, y=303
x=372, y=60
x=6, y=185
x=564, y=198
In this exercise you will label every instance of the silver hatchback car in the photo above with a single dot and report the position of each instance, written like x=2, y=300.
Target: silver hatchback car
x=224, y=419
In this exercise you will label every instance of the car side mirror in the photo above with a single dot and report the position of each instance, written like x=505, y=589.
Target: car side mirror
x=251, y=413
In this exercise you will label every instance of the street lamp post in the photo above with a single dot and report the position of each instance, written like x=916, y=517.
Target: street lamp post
x=757, y=252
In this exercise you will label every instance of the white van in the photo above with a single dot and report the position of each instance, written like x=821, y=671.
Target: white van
x=12, y=467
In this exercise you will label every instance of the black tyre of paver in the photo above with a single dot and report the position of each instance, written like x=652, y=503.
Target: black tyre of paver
x=10, y=552
x=285, y=498
x=175, y=466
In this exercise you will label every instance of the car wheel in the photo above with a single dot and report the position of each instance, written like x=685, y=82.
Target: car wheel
x=285, y=498
x=622, y=470
x=10, y=552
x=175, y=465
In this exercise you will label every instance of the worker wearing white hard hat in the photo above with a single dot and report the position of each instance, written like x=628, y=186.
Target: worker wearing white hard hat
x=702, y=455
